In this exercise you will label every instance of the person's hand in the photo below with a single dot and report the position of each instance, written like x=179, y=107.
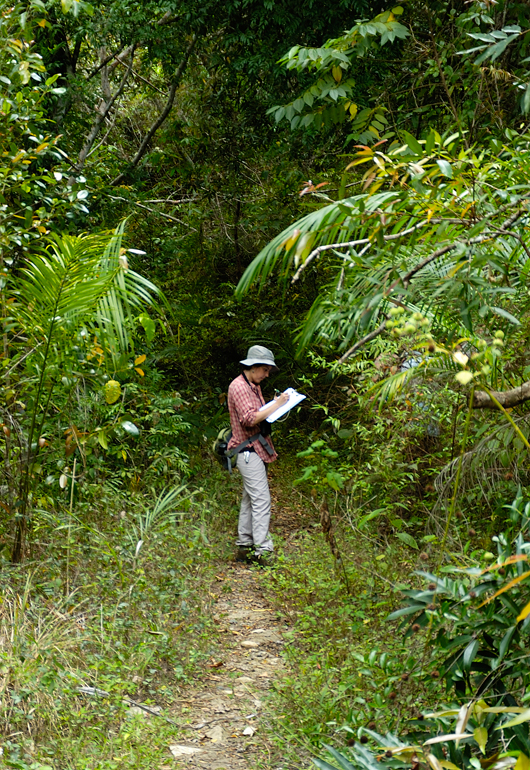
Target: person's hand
x=283, y=398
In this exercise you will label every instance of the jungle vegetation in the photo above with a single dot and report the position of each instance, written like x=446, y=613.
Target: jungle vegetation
x=349, y=184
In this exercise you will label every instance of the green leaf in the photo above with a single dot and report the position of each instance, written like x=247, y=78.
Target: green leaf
x=335, y=480
x=506, y=641
x=524, y=717
x=308, y=472
x=369, y=516
x=344, y=764
x=505, y=314
x=413, y=143
x=407, y=539
x=148, y=325
x=445, y=168
x=525, y=101
x=102, y=438
x=470, y=654
x=411, y=610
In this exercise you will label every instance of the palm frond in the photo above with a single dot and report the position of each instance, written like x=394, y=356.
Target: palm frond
x=79, y=281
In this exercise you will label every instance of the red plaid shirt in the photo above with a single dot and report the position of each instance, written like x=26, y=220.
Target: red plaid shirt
x=244, y=400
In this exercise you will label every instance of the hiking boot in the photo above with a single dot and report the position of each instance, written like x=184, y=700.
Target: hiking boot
x=244, y=553
x=264, y=559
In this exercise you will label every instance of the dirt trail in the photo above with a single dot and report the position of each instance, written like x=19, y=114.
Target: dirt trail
x=225, y=729
x=224, y=714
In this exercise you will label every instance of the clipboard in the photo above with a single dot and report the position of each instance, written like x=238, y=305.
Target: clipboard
x=294, y=399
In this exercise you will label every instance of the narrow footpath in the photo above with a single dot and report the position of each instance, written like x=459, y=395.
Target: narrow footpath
x=224, y=715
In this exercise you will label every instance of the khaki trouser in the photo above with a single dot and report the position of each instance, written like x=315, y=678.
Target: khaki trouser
x=255, y=511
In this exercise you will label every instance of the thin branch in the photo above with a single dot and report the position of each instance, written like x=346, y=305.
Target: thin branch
x=170, y=200
x=152, y=211
x=163, y=115
x=98, y=145
x=140, y=77
x=406, y=279
x=350, y=244
x=167, y=18
x=452, y=246
x=105, y=61
x=518, y=238
x=367, y=338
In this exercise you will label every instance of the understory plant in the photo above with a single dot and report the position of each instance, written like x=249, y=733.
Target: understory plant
x=70, y=315
x=473, y=621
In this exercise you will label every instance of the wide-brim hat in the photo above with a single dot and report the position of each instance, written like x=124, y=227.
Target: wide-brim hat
x=258, y=354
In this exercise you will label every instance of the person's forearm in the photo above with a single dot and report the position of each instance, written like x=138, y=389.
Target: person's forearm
x=264, y=413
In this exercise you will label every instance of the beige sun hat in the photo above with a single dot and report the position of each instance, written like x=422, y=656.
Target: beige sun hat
x=258, y=354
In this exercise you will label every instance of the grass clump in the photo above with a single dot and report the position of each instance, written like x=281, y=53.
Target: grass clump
x=95, y=623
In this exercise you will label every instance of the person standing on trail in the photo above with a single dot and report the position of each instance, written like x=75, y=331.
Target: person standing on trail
x=247, y=420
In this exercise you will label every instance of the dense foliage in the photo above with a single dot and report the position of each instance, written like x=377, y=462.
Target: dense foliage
x=348, y=184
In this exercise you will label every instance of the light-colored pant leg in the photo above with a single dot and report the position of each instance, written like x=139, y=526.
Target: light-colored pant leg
x=255, y=512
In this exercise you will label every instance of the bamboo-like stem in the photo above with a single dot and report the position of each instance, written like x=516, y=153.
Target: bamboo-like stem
x=457, y=477
x=70, y=530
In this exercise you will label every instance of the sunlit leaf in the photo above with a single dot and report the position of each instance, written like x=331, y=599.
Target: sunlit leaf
x=130, y=427
x=523, y=717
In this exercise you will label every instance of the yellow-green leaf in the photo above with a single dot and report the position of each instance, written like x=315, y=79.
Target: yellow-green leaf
x=464, y=377
x=292, y=240
x=102, y=438
x=524, y=717
x=112, y=391
x=523, y=763
x=480, y=734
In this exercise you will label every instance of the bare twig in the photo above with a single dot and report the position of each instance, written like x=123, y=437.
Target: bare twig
x=105, y=61
x=406, y=279
x=350, y=244
x=102, y=114
x=367, y=338
x=152, y=211
x=140, y=77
